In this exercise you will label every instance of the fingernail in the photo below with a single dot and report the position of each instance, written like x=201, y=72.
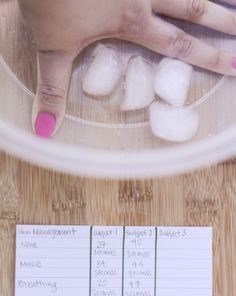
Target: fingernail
x=45, y=124
x=234, y=63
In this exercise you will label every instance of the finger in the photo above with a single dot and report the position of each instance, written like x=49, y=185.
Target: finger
x=201, y=12
x=173, y=42
x=232, y=2
x=54, y=70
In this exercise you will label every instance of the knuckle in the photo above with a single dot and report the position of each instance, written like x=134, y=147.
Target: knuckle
x=182, y=45
x=196, y=8
x=134, y=18
x=49, y=95
x=232, y=25
x=215, y=60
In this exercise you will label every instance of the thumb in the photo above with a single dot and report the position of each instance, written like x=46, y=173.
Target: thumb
x=54, y=70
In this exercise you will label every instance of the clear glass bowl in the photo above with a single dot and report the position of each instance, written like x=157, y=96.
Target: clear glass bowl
x=97, y=139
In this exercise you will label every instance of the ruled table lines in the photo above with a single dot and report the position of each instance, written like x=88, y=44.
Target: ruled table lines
x=113, y=260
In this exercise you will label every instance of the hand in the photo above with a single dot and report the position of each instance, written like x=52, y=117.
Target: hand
x=62, y=28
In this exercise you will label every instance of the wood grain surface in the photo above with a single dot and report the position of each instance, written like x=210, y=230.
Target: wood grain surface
x=29, y=194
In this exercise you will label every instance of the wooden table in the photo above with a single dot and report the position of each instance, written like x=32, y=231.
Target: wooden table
x=29, y=194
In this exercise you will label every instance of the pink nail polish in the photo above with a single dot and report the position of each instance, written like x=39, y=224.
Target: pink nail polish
x=234, y=63
x=45, y=124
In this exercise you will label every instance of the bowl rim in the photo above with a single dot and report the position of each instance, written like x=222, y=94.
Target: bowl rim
x=92, y=162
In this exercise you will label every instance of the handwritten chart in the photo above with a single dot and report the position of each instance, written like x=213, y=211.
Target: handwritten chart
x=113, y=261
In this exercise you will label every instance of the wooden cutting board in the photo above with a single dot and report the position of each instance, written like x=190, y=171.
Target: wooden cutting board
x=29, y=194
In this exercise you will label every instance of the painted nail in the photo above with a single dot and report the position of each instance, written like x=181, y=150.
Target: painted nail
x=234, y=63
x=45, y=124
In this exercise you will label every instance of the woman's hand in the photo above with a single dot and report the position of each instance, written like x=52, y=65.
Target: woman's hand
x=62, y=28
